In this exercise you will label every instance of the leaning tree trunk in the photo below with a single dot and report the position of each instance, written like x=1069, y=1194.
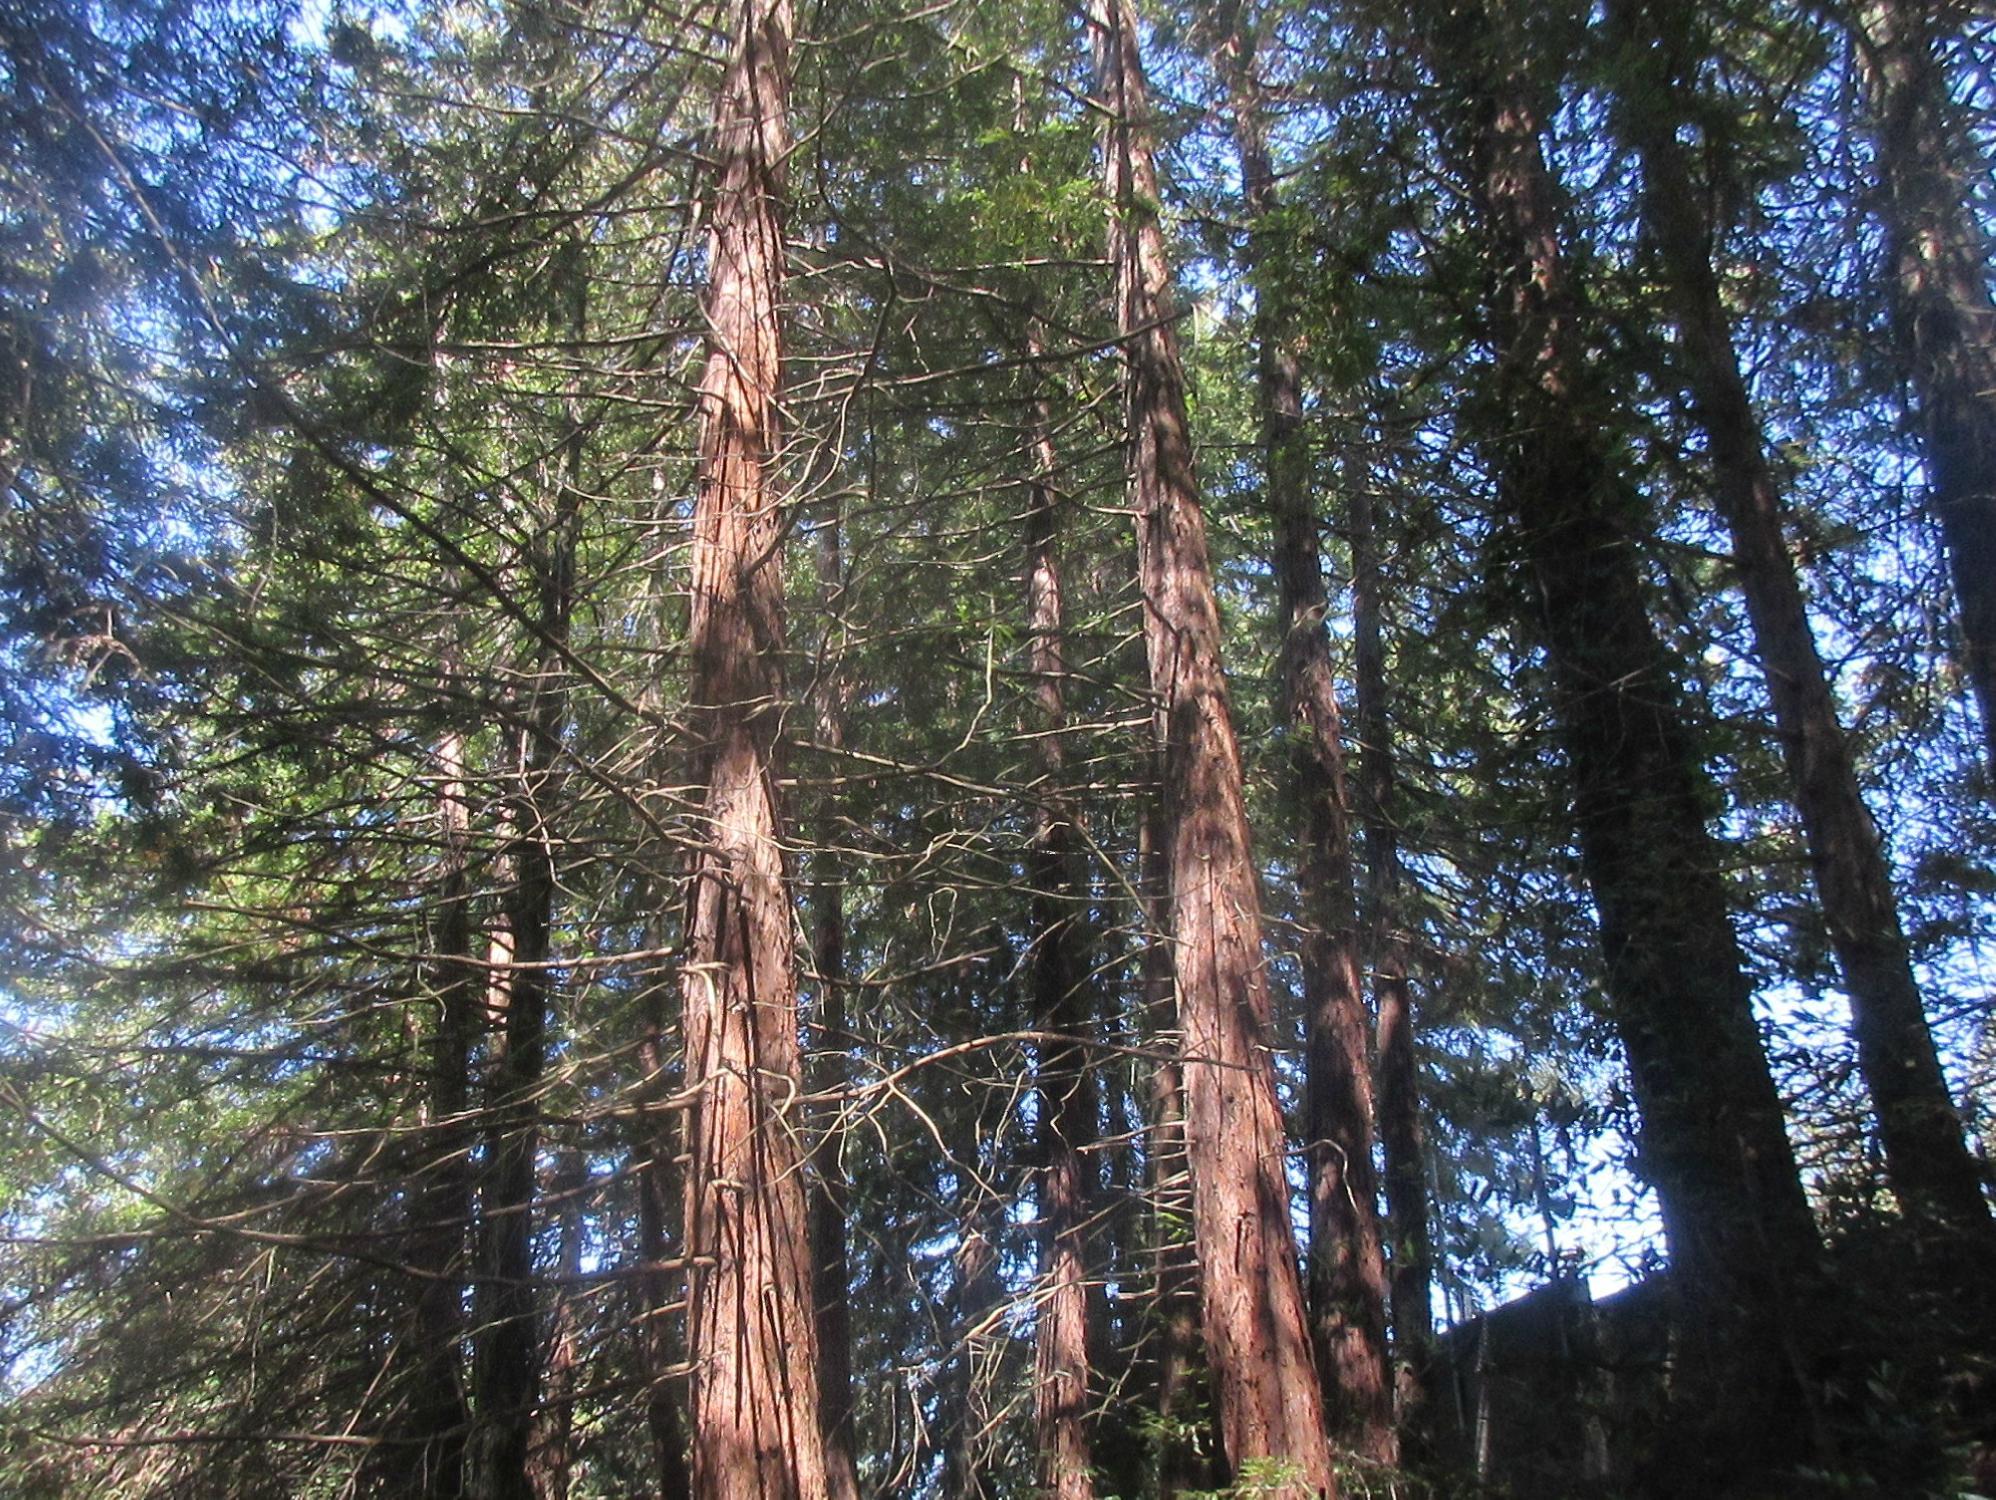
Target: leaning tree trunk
x=1271, y=1402
x=1347, y=1265
x=1939, y=266
x=1399, y=1080
x=1066, y=1094
x=752, y=1340
x=1713, y=1139
x=1927, y=1159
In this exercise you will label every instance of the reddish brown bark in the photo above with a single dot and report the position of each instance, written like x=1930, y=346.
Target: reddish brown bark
x=1066, y=1096
x=1347, y=1266
x=1940, y=261
x=752, y=1340
x=1926, y=1154
x=1399, y=1080
x=1713, y=1139
x=1271, y=1402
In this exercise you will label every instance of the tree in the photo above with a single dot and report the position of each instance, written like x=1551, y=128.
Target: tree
x=1257, y=1342
x=1714, y=1144
x=1938, y=267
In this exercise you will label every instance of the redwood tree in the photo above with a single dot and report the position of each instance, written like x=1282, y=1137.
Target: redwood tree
x=1258, y=1343
x=752, y=1339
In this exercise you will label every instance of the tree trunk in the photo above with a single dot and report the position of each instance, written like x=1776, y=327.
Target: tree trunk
x=552, y=1462
x=1180, y=1365
x=438, y=1408
x=751, y=1304
x=1399, y=1079
x=1347, y=1266
x=1940, y=258
x=1713, y=1141
x=833, y=1071
x=1066, y=1103
x=1926, y=1155
x=1271, y=1402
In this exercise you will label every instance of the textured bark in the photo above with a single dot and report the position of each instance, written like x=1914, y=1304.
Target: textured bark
x=1347, y=1266
x=1713, y=1140
x=1066, y=1103
x=438, y=1415
x=752, y=1340
x=1926, y=1154
x=1399, y=1081
x=1940, y=258
x=1271, y=1402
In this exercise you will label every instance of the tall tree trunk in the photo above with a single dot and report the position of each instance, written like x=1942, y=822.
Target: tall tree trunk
x=1399, y=1080
x=1940, y=258
x=1926, y=1154
x=508, y=1356
x=1066, y=1095
x=753, y=1324
x=832, y=1069
x=1347, y=1265
x=1180, y=1362
x=1258, y=1342
x=1713, y=1141
x=507, y=1370
x=552, y=1462
x=439, y=1415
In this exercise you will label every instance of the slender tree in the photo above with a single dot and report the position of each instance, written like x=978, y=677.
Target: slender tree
x=1402, y=1149
x=1257, y=1338
x=1938, y=258
x=752, y=1338
x=1347, y=1268
x=1067, y=1105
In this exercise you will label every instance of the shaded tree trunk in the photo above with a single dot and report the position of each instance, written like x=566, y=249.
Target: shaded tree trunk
x=1066, y=1106
x=1258, y=1343
x=1347, y=1267
x=1180, y=1363
x=658, y=1282
x=552, y=1462
x=1713, y=1140
x=752, y=1339
x=833, y=1071
x=438, y=1415
x=1399, y=1079
x=1926, y=1154
x=1939, y=262
x=508, y=1369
